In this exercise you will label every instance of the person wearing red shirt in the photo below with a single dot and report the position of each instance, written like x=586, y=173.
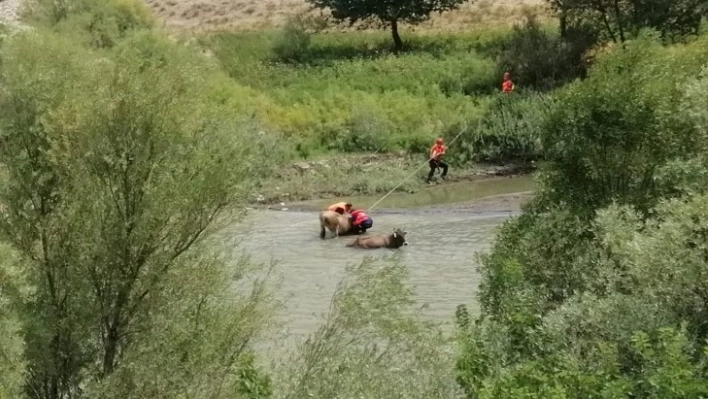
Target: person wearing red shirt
x=341, y=207
x=361, y=221
x=435, y=161
x=507, y=85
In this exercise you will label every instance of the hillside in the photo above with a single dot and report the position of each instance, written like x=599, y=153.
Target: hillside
x=264, y=14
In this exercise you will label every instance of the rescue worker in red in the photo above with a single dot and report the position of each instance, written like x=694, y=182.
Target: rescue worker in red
x=340, y=207
x=361, y=221
x=435, y=161
x=507, y=84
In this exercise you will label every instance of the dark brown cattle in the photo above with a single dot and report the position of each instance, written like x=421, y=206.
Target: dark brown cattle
x=394, y=240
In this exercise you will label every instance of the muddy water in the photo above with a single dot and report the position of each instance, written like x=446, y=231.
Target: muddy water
x=443, y=240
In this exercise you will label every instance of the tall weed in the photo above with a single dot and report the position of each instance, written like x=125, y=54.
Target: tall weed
x=372, y=343
x=98, y=23
x=509, y=130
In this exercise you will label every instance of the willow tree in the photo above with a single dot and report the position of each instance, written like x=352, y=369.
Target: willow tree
x=117, y=168
x=388, y=12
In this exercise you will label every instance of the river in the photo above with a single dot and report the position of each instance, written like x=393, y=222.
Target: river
x=447, y=225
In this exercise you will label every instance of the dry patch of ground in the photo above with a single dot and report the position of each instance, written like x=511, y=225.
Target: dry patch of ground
x=10, y=13
x=204, y=15
x=368, y=174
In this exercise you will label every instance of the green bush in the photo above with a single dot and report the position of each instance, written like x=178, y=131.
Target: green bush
x=99, y=23
x=539, y=59
x=509, y=130
x=293, y=41
x=133, y=165
x=665, y=369
x=371, y=344
x=609, y=134
x=598, y=288
x=618, y=333
x=13, y=285
x=367, y=130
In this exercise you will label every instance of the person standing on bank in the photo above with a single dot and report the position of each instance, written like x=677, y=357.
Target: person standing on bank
x=507, y=84
x=435, y=161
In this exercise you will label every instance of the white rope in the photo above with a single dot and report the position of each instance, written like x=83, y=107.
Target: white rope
x=414, y=172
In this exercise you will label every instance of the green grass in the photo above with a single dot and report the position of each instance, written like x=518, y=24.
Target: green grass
x=348, y=92
x=336, y=93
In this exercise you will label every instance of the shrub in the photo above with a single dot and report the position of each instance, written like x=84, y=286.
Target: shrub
x=605, y=139
x=509, y=130
x=127, y=156
x=292, y=43
x=539, y=59
x=13, y=285
x=665, y=368
x=367, y=130
x=372, y=343
x=598, y=288
x=100, y=23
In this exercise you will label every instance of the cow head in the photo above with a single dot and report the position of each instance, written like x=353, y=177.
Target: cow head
x=399, y=238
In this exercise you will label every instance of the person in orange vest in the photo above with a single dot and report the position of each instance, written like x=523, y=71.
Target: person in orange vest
x=435, y=161
x=507, y=84
x=361, y=221
x=341, y=207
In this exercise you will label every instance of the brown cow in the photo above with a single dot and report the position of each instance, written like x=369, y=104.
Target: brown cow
x=396, y=239
x=337, y=224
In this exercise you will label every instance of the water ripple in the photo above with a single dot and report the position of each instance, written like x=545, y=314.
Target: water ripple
x=440, y=257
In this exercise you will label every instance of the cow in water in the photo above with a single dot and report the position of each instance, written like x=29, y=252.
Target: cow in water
x=393, y=240
x=337, y=223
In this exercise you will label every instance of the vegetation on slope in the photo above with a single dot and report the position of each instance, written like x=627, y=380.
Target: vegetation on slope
x=598, y=289
x=124, y=151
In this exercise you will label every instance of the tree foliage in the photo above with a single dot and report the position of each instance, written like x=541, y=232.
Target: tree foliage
x=616, y=129
x=389, y=12
x=598, y=289
x=96, y=23
x=620, y=20
x=118, y=168
x=543, y=60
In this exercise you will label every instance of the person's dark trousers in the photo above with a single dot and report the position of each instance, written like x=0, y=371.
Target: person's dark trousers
x=434, y=165
x=365, y=225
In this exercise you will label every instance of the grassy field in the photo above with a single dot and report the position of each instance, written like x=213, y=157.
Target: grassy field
x=348, y=94
x=330, y=92
x=268, y=14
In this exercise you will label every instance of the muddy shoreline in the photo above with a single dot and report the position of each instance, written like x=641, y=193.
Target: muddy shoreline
x=481, y=172
x=500, y=204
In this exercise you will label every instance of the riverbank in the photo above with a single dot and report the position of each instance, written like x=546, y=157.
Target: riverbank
x=360, y=175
